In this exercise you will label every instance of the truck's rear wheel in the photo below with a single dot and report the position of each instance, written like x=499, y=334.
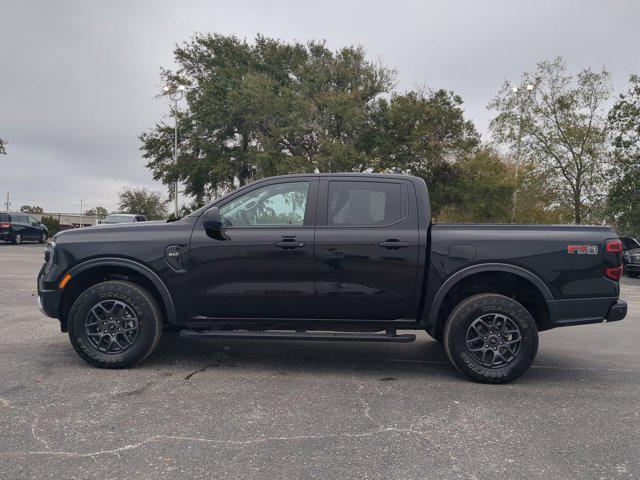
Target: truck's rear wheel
x=491, y=338
x=114, y=324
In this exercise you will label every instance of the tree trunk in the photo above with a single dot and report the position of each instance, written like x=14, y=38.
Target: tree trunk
x=577, y=214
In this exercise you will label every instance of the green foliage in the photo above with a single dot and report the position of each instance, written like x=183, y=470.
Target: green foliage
x=263, y=109
x=560, y=127
x=271, y=108
x=52, y=224
x=483, y=189
x=140, y=201
x=3, y=147
x=31, y=209
x=268, y=107
x=99, y=212
x=624, y=195
x=422, y=133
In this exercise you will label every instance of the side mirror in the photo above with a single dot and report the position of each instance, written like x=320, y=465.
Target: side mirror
x=212, y=221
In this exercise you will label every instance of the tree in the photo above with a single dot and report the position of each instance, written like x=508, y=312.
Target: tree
x=422, y=133
x=624, y=196
x=270, y=108
x=264, y=109
x=140, y=201
x=31, y=209
x=3, y=147
x=483, y=188
x=52, y=224
x=561, y=126
x=99, y=212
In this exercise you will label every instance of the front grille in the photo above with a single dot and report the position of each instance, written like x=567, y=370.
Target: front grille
x=634, y=258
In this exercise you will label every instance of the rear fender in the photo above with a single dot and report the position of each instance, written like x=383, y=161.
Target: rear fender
x=432, y=317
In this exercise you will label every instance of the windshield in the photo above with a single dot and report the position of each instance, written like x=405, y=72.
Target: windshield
x=118, y=219
x=629, y=243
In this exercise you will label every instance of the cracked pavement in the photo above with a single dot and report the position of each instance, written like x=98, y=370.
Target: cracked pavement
x=248, y=409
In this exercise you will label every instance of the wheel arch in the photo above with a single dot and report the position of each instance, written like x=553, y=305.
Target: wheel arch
x=497, y=278
x=93, y=271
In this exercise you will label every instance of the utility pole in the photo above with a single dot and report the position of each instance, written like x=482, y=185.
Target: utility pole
x=8, y=203
x=176, y=93
x=81, y=210
x=529, y=88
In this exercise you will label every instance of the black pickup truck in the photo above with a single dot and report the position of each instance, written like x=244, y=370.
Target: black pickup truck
x=350, y=257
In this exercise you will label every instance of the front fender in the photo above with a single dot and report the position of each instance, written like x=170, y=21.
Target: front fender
x=137, y=267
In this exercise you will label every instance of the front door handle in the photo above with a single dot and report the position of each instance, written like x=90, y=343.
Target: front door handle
x=394, y=244
x=289, y=244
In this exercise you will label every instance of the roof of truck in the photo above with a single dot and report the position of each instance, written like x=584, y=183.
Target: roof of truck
x=341, y=174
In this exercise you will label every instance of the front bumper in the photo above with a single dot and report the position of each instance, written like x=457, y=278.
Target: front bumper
x=632, y=267
x=48, y=300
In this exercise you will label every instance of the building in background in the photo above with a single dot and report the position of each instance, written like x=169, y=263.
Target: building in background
x=69, y=220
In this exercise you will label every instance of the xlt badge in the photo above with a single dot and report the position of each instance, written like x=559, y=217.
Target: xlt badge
x=173, y=256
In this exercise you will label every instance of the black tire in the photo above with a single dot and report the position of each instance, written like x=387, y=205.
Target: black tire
x=141, y=306
x=43, y=238
x=475, y=313
x=17, y=239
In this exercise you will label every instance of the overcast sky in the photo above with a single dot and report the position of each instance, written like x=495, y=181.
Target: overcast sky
x=78, y=78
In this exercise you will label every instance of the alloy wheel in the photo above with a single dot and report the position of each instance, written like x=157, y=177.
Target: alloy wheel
x=111, y=326
x=493, y=340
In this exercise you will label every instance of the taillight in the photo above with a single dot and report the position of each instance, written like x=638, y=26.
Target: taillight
x=614, y=246
x=613, y=259
x=5, y=225
x=614, y=273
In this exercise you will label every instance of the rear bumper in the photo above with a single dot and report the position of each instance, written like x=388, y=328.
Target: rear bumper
x=587, y=310
x=617, y=311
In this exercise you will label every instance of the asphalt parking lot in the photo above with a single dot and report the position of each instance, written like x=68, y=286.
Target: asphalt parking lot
x=268, y=409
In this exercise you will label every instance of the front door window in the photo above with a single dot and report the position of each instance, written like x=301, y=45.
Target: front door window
x=271, y=206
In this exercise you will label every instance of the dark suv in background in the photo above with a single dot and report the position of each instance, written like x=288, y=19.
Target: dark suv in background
x=16, y=227
x=631, y=256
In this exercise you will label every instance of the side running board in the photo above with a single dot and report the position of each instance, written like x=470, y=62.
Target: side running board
x=390, y=336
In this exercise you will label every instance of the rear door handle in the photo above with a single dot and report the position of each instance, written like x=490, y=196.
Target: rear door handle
x=394, y=244
x=289, y=244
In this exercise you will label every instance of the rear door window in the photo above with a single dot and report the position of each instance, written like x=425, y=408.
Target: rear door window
x=366, y=204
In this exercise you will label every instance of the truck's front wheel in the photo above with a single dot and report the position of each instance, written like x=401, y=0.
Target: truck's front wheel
x=491, y=338
x=114, y=324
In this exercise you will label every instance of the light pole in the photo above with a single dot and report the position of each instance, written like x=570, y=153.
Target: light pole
x=175, y=93
x=529, y=88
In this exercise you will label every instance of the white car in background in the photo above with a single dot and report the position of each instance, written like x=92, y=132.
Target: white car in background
x=124, y=218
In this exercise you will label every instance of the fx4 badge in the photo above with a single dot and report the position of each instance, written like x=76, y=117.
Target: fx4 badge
x=583, y=249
